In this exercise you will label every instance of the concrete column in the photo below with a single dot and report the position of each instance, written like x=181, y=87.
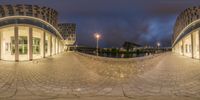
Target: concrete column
x=199, y=43
x=51, y=45
x=16, y=43
x=54, y=45
x=183, y=48
x=192, y=45
x=44, y=44
x=0, y=43
x=30, y=43
x=57, y=46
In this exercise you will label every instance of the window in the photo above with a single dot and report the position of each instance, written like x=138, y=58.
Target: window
x=36, y=45
x=46, y=46
x=23, y=45
x=12, y=45
x=7, y=46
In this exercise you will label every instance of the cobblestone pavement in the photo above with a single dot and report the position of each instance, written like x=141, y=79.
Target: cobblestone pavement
x=74, y=76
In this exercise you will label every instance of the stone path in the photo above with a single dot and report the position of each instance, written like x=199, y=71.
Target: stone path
x=74, y=76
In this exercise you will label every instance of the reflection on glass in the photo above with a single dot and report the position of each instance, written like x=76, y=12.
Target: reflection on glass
x=7, y=46
x=36, y=45
x=12, y=45
x=23, y=45
x=46, y=46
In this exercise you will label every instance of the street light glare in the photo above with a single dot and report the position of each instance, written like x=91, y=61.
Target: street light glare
x=97, y=35
x=158, y=44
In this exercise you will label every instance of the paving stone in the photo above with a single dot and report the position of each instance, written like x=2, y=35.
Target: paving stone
x=80, y=76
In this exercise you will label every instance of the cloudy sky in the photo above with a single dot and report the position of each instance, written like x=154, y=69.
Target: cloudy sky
x=141, y=21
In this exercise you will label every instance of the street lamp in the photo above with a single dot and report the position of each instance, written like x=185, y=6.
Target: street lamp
x=158, y=44
x=97, y=36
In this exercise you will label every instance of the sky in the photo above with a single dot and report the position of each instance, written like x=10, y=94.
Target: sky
x=144, y=22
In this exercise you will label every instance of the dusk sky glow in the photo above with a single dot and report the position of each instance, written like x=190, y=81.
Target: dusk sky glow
x=141, y=21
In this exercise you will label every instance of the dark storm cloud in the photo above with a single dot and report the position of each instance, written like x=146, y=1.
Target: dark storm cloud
x=142, y=21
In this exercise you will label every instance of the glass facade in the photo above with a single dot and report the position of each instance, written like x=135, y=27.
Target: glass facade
x=29, y=35
x=36, y=45
x=16, y=46
x=12, y=45
x=47, y=44
x=189, y=45
x=23, y=35
x=7, y=43
x=23, y=45
x=53, y=45
x=37, y=41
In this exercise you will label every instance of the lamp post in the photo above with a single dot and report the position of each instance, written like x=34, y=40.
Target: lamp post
x=97, y=36
x=158, y=45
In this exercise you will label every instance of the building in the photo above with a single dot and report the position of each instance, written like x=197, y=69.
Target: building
x=186, y=35
x=87, y=49
x=68, y=31
x=130, y=46
x=29, y=32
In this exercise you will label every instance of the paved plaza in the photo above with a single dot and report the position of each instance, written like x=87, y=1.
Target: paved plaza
x=75, y=76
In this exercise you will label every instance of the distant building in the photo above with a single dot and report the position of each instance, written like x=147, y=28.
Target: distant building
x=68, y=31
x=130, y=46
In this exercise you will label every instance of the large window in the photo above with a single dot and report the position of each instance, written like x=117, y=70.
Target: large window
x=46, y=46
x=36, y=45
x=23, y=45
x=12, y=45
